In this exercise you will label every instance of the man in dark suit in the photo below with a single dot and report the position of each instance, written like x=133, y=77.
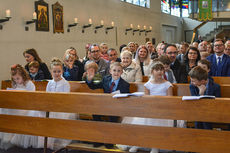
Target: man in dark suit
x=109, y=84
x=179, y=69
x=220, y=63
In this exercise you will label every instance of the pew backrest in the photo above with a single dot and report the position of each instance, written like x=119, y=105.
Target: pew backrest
x=168, y=107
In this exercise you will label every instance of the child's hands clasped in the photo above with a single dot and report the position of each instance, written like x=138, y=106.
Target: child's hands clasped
x=202, y=89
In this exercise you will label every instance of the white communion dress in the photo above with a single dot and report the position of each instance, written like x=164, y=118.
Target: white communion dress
x=154, y=89
x=59, y=86
x=10, y=139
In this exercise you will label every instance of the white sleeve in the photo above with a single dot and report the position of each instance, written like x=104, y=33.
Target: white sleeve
x=30, y=86
x=66, y=87
x=48, y=87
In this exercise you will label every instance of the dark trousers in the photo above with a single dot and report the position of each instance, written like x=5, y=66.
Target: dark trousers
x=114, y=119
x=203, y=125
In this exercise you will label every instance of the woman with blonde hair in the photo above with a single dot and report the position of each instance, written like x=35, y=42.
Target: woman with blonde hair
x=143, y=59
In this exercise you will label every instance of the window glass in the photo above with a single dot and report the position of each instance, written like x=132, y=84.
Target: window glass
x=185, y=8
x=175, y=7
x=143, y=3
x=165, y=7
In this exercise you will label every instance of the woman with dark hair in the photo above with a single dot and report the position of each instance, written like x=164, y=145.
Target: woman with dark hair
x=191, y=58
x=32, y=55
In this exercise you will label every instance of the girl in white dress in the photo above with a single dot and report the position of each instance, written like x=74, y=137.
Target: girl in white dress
x=58, y=84
x=20, y=81
x=157, y=85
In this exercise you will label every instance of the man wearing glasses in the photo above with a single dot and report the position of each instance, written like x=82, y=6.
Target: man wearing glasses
x=220, y=63
x=178, y=68
x=103, y=66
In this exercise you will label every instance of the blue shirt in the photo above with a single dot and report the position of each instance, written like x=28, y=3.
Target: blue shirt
x=116, y=84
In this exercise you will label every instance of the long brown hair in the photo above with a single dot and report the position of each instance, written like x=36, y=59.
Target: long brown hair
x=34, y=53
x=18, y=69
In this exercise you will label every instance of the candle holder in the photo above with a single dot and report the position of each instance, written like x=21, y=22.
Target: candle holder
x=98, y=27
x=126, y=30
x=108, y=28
x=135, y=30
x=85, y=26
x=71, y=25
x=31, y=21
x=147, y=31
x=140, y=31
x=5, y=20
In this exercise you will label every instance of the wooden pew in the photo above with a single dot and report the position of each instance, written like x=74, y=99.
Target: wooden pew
x=179, y=89
x=171, y=138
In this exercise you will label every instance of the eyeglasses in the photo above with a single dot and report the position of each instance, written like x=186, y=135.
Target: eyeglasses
x=191, y=53
x=218, y=45
x=95, y=51
x=170, y=53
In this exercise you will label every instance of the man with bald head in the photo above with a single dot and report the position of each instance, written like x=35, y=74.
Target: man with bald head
x=179, y=69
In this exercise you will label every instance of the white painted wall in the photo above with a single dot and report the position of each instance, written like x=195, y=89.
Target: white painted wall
x=14, y=39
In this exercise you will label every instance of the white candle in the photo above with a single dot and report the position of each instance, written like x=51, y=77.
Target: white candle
x=112, y=24
x=102, y=22
x=144, y=27
x=34, y=16
x=138, y=27
x=7, y=13
x=75, y=20
x=90, y=21
x=131, y=26
x=150, y=28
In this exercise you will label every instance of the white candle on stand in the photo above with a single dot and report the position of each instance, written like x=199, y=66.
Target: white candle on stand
x=112, y=24
x=102, y=22
x=7, y=13
x=34, y=16
x=138, y=27
x=144, y=27
x=150, y=28
x=90, y=21
x=75, y=20
x=131, y=26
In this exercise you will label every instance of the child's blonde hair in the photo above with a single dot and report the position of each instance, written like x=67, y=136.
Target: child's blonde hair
x=115, y=64
x=91, y=64
x=56, y=62
x=34, y=64
x=18, y=69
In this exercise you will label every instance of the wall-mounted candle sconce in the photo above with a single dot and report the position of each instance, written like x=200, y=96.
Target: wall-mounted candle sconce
x=131, y=28
x=34, y=19
x=100, y=26
x=72, y=25
x=138, y=29
x=147, y=31
x=7, y=18
x=109, y=28
x=87, y=25
x=142, y=30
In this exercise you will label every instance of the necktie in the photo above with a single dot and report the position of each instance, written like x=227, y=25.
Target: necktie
x=219, y=61
x=111, y=86
x=218, y=72
x=165, y=77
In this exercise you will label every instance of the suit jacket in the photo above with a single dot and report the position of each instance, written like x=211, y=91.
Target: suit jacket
x=213, y=89
x=39, y=76
x=224, y=70
x=123, y=86
x=179, y=71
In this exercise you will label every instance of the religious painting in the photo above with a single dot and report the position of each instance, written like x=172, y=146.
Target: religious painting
x=42, y=10
x=58, y=18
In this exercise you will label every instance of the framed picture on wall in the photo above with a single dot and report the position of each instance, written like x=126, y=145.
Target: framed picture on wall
x=42, y=10
x=58, y=21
